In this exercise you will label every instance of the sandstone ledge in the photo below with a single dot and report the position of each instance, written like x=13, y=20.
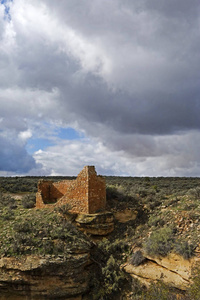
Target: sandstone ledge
x=95, y=224
x=45, y=277
x=126, y=215
x=173, y=270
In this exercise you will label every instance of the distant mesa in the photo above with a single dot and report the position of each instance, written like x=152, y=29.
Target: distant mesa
x=86, y=194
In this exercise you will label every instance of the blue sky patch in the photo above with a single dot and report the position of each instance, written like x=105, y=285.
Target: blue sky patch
x=6, y=9
x=35, y=144
x=69, y=134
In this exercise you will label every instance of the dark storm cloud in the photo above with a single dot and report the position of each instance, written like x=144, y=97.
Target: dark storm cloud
x=14, y=158
x=158, y=114
x=156, y=92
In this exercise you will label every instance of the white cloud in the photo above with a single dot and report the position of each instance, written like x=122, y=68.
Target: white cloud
x=25, y=135
x=49, y=30
x=69, y=157
x=180, y=158
x=28, y=103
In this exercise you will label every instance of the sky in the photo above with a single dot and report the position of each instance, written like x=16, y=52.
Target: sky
x=109, y=83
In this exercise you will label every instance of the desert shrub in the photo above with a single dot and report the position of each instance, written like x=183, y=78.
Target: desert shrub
x=155, y=188
x=195, y=192
x=137, y=289
x=29, y=201
x=7, y=201
x=156, y=221
x=112, y=279
x=142, y=192
x=160, y=242
x=113, y=247
x=155, y=204
x=159, y=291
x=190, y=206
x=194, y=290
x=48, y=247
x=111, y=192
x=112, y=275
x=137, y=258
x=173, y=201
x=108, y=257
x=7, y=214
x=65, y=211
x=184, y=249
x=40, y=232
x=115, y=193
x=23, y=226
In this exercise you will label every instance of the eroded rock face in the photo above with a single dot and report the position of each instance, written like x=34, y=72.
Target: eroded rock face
x=126, y=215
x=173, y=270
x=95, y=224
x=44, y=278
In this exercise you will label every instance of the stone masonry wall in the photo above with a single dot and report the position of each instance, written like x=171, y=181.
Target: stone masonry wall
x=77, y=194
x=49, y=192
x=97, y=192
x=86, y=194
x=58, y=189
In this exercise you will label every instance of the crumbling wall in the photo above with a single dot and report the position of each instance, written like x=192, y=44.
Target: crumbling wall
x=43, y=194
x=97, y=192
x=77, y=194
x=58, y=189
x=49, y=192
x=86, y=194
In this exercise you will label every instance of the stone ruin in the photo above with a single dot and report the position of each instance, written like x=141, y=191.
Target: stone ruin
x=86, y=194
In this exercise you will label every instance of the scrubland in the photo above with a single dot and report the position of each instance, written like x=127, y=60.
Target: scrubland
x=168, y=220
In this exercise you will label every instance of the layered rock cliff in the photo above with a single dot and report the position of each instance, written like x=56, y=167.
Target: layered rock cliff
x=35, y=277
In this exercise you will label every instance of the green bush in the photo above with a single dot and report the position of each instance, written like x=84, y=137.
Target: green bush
x=159, y=291
x=137, y=258
x=142, y=192
x=194, y=290
x=116, y=247
x=184, y=249
x=195, y=192
x=40, y=232
x=111, y=281
x=115, y=193
x=29, y=201
x=7, y=201
x=160, y=242
x=7, y=214
x=23, y=226
x=156, y=221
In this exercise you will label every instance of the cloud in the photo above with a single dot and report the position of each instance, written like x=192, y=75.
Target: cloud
x=126, y=73
x=176, y=156
x=69, y=157
x=14, y=158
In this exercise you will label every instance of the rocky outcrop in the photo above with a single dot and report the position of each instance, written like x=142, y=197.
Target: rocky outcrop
x=95, y=224
x=126, y=215
x=44, y=277
x=173, y=270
